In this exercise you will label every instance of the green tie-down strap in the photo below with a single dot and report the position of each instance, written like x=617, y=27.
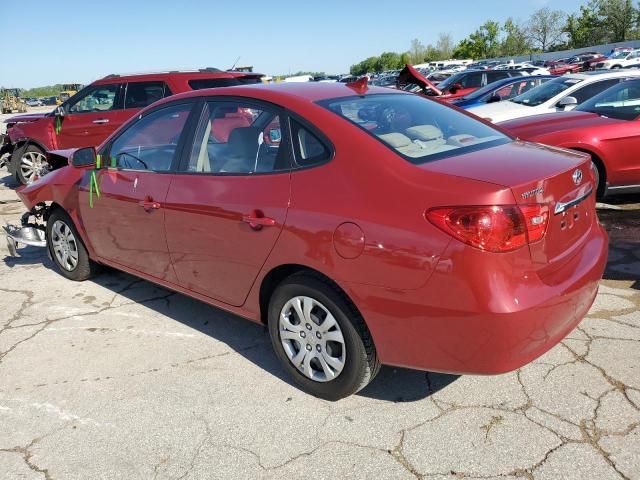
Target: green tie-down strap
x=93, y=182
x=58, y=125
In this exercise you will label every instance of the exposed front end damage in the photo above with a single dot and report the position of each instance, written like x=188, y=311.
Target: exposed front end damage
x=32, y=230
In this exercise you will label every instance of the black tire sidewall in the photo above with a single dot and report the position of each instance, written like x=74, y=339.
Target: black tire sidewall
x=351, y=378
x=84, y=268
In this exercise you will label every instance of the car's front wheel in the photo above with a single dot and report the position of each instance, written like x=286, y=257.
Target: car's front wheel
x=31, y=165
x=66, y=247
x=320, y=338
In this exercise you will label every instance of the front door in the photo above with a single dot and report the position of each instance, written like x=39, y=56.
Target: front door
x=125, y=224
x=224, y=213
x=90, y=117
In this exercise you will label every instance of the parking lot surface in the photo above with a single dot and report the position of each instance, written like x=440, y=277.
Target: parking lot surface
x=117, y=378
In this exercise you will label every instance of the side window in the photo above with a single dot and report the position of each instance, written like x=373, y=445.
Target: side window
x=98, y=99
x=151, y=142
x=238, y=138
x=588, y=91
x=472, y=80
x=141, y=94
x=309, y=149
x=494, y=75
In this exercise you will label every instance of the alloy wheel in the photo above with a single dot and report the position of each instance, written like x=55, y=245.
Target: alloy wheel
x=33, y=165
x=64, y=245
x=312, y=339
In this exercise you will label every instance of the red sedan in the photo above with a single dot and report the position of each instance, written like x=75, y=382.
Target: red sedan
x=362, y=225
x=607, y=127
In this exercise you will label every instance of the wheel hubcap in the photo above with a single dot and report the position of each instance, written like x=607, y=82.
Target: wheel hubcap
x=321, y=354
x=33, y=166
x=64, y=245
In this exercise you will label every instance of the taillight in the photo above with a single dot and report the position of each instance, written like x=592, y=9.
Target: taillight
x=494, y=228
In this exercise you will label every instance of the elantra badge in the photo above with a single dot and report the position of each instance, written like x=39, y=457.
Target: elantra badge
x=531, y=193
x=577, y=177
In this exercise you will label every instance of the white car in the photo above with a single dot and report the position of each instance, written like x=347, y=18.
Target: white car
x=560, y=94
x=620, y=60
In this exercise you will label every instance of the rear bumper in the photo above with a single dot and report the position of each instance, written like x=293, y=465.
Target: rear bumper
x=487, y=320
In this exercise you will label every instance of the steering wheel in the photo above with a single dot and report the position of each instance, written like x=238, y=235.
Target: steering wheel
x=121, y=154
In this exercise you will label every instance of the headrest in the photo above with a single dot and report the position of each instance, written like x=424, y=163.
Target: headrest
x=243, y=141
x=425, y=133
x=396, y=140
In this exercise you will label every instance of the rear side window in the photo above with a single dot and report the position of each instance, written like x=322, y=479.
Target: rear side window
x=202, y=83
x=416, y=128
x=494, y=75
x=585, y=93
x=238, y=138
x=309, y=149
x=142, y=94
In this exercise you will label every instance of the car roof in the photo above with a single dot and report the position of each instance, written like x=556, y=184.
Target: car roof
x=304, y=91
x=597, y=73
x=202, y=73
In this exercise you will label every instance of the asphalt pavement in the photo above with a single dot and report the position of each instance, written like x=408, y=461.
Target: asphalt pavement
x=116, y=378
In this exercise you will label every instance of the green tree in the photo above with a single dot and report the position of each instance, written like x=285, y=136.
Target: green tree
x=388, y=61
x=618, y=17
x=546, y=28
x=445, y=45
x=416, y=51
x=585, y=29
x=516, y=41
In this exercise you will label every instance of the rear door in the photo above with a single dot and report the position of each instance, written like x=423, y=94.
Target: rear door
x=125, y=224
x=226, y=208
x=90, y=116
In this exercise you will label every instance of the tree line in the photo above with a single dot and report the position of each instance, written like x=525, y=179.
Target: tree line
x=546, y=30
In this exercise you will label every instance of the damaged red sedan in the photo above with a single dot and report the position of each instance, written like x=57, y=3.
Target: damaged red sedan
x=364, y=226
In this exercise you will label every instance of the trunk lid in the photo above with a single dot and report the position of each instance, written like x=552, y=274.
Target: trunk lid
x=531, y=127
x=537, y=174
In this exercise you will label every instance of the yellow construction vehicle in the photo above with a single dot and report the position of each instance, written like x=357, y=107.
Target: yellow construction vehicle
x=68, y=91
x=11, y=101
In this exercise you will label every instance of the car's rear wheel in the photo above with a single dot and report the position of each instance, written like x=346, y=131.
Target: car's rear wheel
x=320, y=338
x=32, y=165
x=66, y=247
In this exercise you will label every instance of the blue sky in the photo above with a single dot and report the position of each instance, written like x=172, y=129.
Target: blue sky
x=80, y=41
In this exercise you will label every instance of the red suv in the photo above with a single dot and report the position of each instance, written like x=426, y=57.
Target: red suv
x=90, y=116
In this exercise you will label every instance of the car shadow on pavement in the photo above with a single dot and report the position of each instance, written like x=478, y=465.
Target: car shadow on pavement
x=9, y=181
x=252, y=340
x=621, y=218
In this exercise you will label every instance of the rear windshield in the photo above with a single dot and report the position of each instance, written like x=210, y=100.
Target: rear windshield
x=202, y=83
x=621, y=101
x=418, y=129
x=545, y=92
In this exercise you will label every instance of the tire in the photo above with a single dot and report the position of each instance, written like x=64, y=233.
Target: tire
x=62, y=237
x=30, y=164
x=615, y=67
x=600, y=178
x=356, y=354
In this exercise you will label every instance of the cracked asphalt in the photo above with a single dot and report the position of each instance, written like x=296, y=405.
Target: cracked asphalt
x=116, y=378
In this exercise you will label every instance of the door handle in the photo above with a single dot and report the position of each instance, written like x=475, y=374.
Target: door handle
x=149, y=204
x=257, y=220
x=101, y=121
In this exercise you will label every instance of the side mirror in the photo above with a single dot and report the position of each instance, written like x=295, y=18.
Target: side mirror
x=59, y=111
x=494, y=98
x=84, y=157
x=568, y=102
x=455, y=87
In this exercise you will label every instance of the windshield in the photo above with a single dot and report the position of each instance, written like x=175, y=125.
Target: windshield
x=545, y=92
x=452, y=80
x=418, y=129
x=619, y=54
x=621, y=101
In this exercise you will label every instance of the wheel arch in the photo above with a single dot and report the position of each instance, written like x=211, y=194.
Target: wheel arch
x=277, y=274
